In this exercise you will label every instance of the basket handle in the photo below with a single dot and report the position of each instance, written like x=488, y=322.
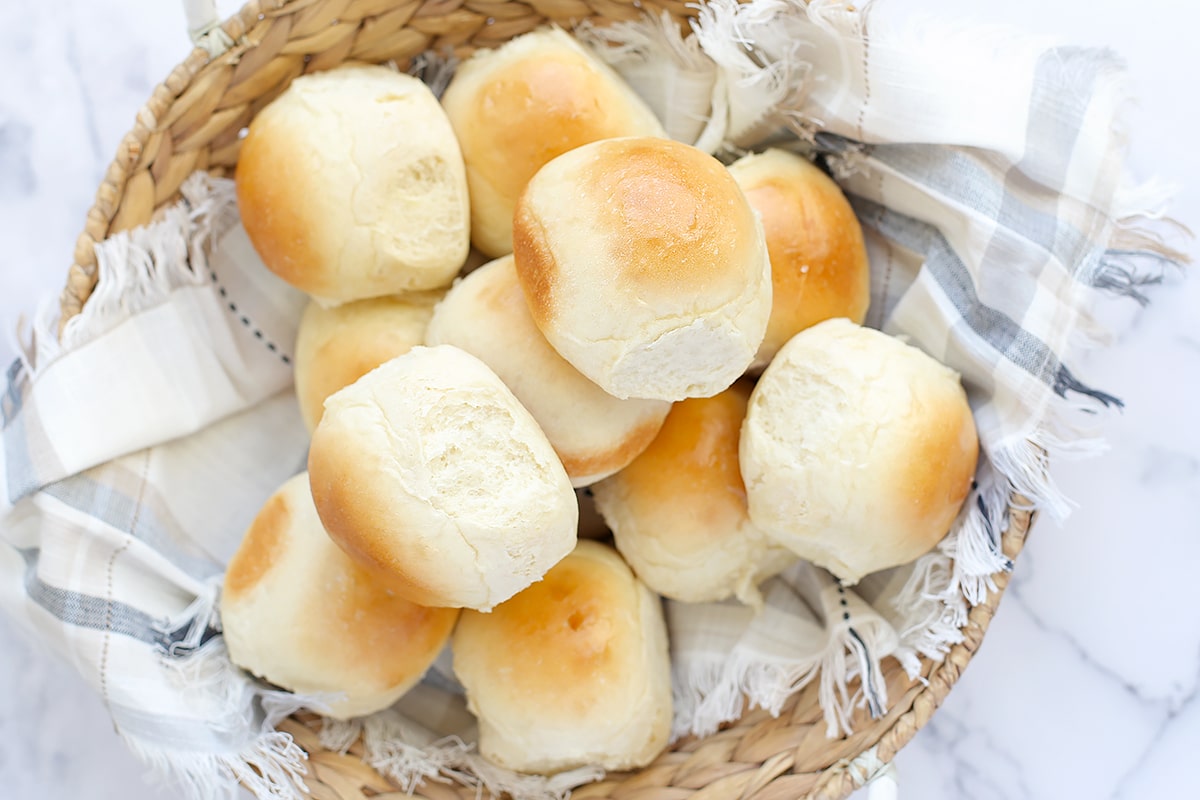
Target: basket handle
x=884, y=785
x=204, y=27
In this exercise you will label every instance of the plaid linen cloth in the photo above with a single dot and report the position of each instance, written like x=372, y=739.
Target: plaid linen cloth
x=987, y=171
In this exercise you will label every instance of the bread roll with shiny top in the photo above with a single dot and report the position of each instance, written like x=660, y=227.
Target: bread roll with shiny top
x=429, y=471
x=572, y=671
x=351, y=185
x=644, y=267
x=678, y=512
x=819, y=266
x=337, y=346
x=299, y=613
x=857, y=450
x=594, y=433
x=517, y=107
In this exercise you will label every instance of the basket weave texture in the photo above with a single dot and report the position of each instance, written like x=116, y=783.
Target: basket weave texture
x=192, y=122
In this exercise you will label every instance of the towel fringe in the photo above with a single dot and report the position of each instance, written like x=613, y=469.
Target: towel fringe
x=271, y=766
x=714, y=690
x=408, y=755
x=267, y=762
x=138, y=269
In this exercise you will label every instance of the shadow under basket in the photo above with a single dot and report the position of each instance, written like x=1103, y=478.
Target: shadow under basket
x=193, y=122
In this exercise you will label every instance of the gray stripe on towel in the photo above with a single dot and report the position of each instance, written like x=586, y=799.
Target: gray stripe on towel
x=943, y=264
x=87, y=611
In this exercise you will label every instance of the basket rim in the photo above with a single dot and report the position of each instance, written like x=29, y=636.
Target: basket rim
x=99, y=220
x=103, y=219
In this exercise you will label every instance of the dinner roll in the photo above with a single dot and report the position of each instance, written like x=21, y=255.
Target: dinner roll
x=857, y=449
x=594, y=433
x=428, y=470
x=337, y=346
x=572, y=671
x=351, y=185
x=819, y=264
x=516, y=107
x=644, y=267
x=678, y=512
x=299, y=613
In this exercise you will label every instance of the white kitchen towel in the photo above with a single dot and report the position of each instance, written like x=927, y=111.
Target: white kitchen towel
x=988, y=171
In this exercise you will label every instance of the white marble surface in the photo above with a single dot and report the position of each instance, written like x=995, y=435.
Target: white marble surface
x=1087, y=684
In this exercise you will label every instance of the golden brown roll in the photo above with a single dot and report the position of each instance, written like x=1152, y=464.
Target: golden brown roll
x=572, y=671
x=819, y=266
x=857, y=450
x=337, y=346
x=428, y=470
x=644, y=267
x=351, y=185
x=516, y=107
x=299, y=613
x=678, y=512
x=594, y=433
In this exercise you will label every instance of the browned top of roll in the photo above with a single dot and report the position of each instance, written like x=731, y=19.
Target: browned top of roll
x=337, y=346
x=666, y=216
x=535, y=109
x=694, y=459
x=573, y=670
x=819, y=266
x=299, y=612
x=679, y=513
x=519, y=106
x=390, y=634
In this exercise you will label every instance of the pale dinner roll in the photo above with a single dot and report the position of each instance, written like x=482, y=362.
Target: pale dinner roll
x=678, y=512
x=857, y=450
x=594, y=433
x=428, y=470
x=351, y=185
x=645, y=267
x=819, y=266
x=516, y=107
x=337, y=346
x=572, y=671
x=301, y=614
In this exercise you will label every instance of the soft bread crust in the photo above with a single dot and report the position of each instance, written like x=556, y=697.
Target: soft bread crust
x=299, y=613
x=517, y=107
x=428, y=470
x=351, y=185
x=857, y=450
x=572, y=671
x=594, y=433
x=337, y=346
x=678, y=512
x=819, y=267
x=644, y=267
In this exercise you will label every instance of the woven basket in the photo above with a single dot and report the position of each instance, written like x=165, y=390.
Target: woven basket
x=192, y=122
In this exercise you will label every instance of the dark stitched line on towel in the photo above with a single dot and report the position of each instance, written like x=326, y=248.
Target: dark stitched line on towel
x=258, y=334
x=85, y=610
